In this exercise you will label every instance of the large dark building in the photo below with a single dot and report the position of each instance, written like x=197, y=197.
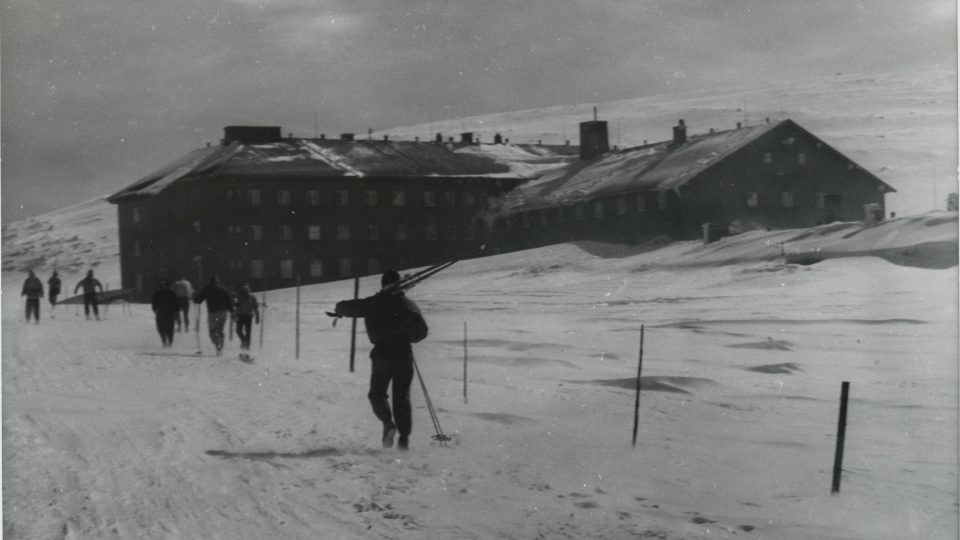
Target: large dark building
x=266, y=210
x=770, y=176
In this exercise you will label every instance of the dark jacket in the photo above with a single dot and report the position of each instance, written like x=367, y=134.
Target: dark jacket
x=32, y=288
x=217, y=297
x=391, y=319
x=54, y=283
x=165, y=302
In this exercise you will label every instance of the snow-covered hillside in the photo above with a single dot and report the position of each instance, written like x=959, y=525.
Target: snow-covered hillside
x=107, y=435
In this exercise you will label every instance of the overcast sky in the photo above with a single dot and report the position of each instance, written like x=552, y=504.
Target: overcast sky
x=97, y=93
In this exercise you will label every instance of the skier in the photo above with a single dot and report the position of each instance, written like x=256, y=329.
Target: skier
x=393, y=322
x=165, y=308
x=247, y=313
x=54, y=289
x=219, y=308
x=33, y=290
x=184, y=291
x=90, y=285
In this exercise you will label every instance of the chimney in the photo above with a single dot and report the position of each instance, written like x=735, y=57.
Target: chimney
x=680, y=132
x=466, y=137
x=497, y=139
x=439, y=138
x=346, y=136
x=386, y=137
x=594, y=140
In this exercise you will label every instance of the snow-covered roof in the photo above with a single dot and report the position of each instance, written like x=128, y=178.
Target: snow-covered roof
x=339, y=158
x=655, y=167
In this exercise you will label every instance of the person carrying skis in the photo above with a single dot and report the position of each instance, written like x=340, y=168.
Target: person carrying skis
x=184, y=291
x=219, y=308
x=393, y=323
x=33, y=290
x=247, y=312
x=165, y=308
x=90, y=285
x=54, y=289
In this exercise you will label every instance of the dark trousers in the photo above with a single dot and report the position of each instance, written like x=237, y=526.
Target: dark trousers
x=244, y=325
x=33, y=307
x=392, y=364
x=90, y=303
x=53, y=299
x=184, y=313
x=165, y=324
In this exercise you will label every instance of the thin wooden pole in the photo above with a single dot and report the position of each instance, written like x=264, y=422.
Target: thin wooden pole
x=297, y=353
x=636, y=403
x=841, y=435
x=199, y=287
x=263, y=312
x=353, y=326
x=464, y=361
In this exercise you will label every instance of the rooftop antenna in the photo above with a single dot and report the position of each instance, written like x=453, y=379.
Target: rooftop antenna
x=315, y=128
x=594, y=113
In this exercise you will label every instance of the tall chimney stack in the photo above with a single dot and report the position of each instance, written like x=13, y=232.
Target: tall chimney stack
x=594, y=140
x=680, y=132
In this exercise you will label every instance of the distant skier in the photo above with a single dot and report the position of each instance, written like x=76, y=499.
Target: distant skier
x=184, y=291
x=393, y=322
x=165, y=310
x=247, y=312
x=53, y=290
x=90, y=286
x=219, y=308
x=33, y=290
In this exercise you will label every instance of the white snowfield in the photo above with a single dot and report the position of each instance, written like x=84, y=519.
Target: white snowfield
x=108, y=436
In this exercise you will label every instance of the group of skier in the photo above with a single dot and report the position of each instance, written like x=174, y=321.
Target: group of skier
x=33, y=290
x=171, y=306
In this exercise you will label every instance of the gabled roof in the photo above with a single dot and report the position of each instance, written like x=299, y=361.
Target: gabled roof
x=318, y=158
x=656, y=167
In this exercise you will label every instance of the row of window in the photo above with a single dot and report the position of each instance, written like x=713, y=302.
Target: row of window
x=788, y=199
x=256, y=269
x=371, y=198
x=599, y=210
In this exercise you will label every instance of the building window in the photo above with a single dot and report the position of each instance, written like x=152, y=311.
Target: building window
x=821, y=200
x=525, y=219
x=786, y=199
x=468, y=232
x=753, y=199
x=399, y=231
x=399, y=198
x=313, y=197
x=373, y=265
x=373, y=232
x=256, y=232
x=341, y=198
x=343, y=232
x=139, y=284
x=136, y=248
x=544, y=218
x=429, y=199
x=316, y=268
x=801, y=158
x=561, y=215
x=256, y=268
x=768, y=158
x=136, y=214
x=621, y=206
x=469, y=200
x=370, y=197
x=286, y=268
x=313, y=232
x=345, y=267
x=450, y=198
x=197, y=227
x=286, y=232
x=283, y=197
x=662, y=200
x=234, y=229
x=598, y=209
x=578, y=212
x=449, y=232
x=430, y=233
x=641, y=202
x=253, y=197
x=231, y=194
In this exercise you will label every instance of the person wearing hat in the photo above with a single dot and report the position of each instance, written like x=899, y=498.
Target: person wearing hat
x=33, y=290
x=393, y=323
x=247, y=312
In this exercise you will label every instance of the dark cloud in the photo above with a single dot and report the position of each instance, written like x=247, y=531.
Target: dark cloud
x=96, y=93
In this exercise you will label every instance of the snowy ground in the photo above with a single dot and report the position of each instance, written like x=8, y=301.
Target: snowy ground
x=108, y=436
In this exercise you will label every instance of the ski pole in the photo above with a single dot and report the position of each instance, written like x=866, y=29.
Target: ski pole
x=440, y=436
